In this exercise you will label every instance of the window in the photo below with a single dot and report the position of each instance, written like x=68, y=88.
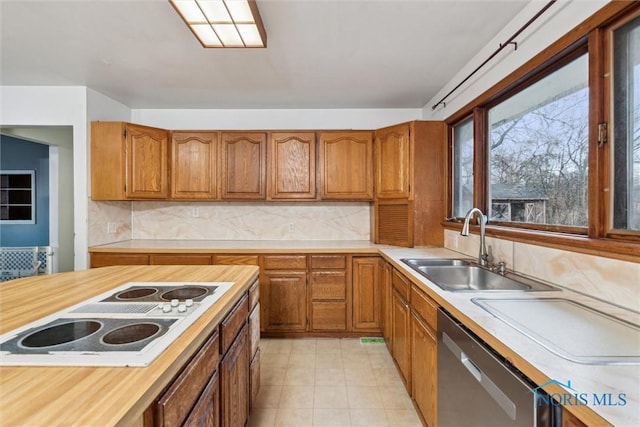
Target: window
x=17, y=197
x=626, y=126
x=538, y=151
x=463, y=168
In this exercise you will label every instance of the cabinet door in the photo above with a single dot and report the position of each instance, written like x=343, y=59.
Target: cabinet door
x=147, y=162
x=386, y=304
x=393, y=162
x=243, y=166
x=193, y=165
x=423, y=369
x=400, y=340
x=292, y=172
x=206, y=412
x=234, y=379
x=346, y=160
x=366, y=294
x=285, y=297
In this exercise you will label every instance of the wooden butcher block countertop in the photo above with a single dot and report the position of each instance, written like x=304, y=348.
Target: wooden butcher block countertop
x=100, y=396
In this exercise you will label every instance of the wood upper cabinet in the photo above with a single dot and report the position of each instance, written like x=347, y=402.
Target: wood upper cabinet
x=243, y=165
x=128, y=161
x=346, y=165
x=393, y=162
x=292, y=165
x=367, y=313
x=194, y=165
x=410, y=184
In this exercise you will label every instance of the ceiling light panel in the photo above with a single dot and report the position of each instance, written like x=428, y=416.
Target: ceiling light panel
x=223, y=23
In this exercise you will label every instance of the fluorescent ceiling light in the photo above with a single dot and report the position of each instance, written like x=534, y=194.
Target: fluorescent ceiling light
x=223, y=23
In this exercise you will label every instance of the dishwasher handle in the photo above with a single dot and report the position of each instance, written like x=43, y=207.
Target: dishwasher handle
x=490, y=387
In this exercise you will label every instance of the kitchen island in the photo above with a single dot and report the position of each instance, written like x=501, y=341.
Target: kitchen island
x=105, y=396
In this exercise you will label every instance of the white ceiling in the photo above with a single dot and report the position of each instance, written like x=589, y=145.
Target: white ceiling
x=320, y=54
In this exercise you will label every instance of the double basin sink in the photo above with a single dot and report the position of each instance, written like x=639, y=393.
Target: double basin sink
x=458, y=275
x=587, y=335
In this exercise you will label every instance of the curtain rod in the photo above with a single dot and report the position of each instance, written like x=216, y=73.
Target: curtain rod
x=502, y=46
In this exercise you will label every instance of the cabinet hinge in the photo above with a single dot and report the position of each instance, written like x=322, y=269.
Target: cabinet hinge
x=602, y=134
x=125, y=133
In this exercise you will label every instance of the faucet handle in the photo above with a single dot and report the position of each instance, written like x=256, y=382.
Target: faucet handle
x=501, y=267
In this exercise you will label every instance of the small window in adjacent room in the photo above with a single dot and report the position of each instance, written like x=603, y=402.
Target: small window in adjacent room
x=17, y=197
x=462, y=168
x=538, y=151
x=626, y=126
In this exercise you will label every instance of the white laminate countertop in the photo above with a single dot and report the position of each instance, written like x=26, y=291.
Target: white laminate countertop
x=612, y=391
x=245, y=246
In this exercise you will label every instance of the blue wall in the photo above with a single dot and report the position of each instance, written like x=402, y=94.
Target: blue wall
x=18, y=154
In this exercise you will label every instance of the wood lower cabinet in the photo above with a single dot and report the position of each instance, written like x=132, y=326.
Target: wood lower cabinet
x=194, y=165
x=424, y=356
x=234, y=382
x=386, y=304
x=346, y=165
x=366, y=294
x=400, y=339
x=243, y=165
x=401, y=325
x=328, y=292
x=284, y=293
x=206, y=412
x=128, y=161
x=178, y=401
x=292, y=165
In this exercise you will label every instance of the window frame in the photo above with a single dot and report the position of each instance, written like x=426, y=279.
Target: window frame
x=591, y=36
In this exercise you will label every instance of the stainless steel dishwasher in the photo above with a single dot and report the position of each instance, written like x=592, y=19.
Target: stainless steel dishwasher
x=477, y=387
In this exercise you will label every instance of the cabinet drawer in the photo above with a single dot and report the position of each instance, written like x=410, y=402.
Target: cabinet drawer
x=254, y=295
x=232, y=324
x=328, y=285
x=425, y=307
x=176, y=403
x=174, y=259
x=254, y=330
x=236, y=259
x=285, y=262
x=328, y=316
x=108, y=259
x=328, y=261
x=400, y=284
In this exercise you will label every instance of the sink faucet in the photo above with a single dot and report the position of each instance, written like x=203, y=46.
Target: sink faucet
x=483, y=256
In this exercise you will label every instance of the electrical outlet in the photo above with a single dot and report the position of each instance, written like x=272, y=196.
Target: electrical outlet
x=292, y=227
x=195, y=212
x=111, y=227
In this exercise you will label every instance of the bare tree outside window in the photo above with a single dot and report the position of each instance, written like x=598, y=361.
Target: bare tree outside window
x=538, y=151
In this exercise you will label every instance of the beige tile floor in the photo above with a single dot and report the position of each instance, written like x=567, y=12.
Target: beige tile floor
x=330, y=382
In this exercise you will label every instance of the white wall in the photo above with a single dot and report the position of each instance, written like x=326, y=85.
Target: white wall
x=275, y=119
x=552, y=25
x=56, y=106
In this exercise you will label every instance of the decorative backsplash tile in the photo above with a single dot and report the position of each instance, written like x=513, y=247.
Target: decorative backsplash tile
x=608, y=279
x=250, y=221
x=105, y=214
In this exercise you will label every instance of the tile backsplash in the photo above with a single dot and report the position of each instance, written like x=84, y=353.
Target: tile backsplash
x=608, y=279
x=229, y=221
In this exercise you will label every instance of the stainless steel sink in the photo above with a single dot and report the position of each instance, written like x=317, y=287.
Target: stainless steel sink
x=458, y=275
x=435, y=262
